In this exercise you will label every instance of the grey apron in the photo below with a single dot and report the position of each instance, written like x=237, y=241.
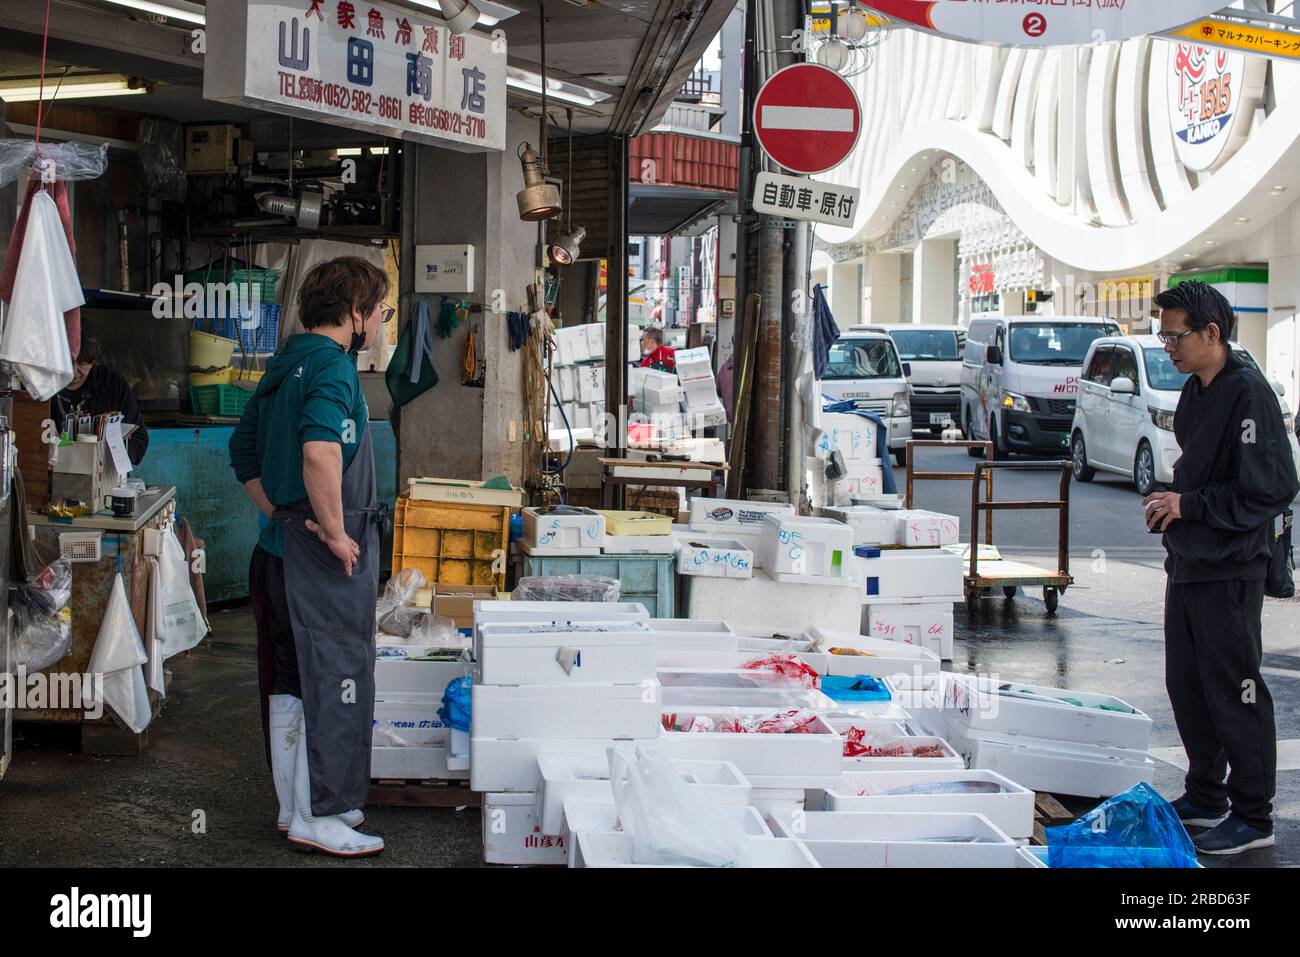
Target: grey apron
x=333, y=619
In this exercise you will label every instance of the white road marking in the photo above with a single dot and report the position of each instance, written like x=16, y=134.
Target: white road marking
x=1280, y=672
x=824, y=118
x=1288, y=755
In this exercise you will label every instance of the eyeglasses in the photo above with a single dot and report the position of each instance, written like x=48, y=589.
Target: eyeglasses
x=1173, y=338
x=388, y=313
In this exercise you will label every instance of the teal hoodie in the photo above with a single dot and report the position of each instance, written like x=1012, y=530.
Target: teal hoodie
x=310, y=393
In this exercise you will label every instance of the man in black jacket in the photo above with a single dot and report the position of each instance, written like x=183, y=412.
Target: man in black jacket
x=1235, y=476
x=96, y=389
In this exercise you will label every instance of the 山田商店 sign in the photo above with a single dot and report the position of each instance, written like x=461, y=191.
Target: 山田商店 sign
x=367, y=66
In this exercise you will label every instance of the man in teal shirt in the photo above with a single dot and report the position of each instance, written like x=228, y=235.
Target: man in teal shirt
x=302, y=452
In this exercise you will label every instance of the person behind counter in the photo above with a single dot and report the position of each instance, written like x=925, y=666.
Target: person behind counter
x=303, y=453
x=95, y=390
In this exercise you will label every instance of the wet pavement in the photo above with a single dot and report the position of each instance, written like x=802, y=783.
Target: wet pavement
x=201, y=793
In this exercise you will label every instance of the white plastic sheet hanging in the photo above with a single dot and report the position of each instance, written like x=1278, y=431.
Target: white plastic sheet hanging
x=180, y=624
x=45, y=287
x=118, y=657
x=152, y=643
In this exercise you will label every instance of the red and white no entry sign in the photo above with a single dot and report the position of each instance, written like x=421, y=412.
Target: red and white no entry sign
x=807, y=118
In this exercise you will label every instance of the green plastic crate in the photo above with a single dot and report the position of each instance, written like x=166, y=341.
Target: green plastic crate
x=219, y=399
x=648, y=579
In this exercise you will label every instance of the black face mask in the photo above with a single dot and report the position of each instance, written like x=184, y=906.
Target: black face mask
x=358, y=340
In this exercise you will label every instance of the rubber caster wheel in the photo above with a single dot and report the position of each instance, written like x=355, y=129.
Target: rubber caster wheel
x=1050, y=598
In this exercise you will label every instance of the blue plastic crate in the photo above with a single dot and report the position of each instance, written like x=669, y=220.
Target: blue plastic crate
x=648, y=579
x=257, y=333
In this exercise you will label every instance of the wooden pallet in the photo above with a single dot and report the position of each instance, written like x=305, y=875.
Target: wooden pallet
x=422, y=793
x=1048, y=812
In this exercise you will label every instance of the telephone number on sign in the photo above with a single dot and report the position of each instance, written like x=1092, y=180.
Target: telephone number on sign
x=448, y=121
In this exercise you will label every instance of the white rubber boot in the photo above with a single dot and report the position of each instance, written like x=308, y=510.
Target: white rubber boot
x=329, y=834
x=286, y=728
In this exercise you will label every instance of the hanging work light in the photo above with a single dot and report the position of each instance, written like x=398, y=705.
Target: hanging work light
x=461, y=15
x=833, y=53
x=565, y=249
x=538, y=199
x=853, y=22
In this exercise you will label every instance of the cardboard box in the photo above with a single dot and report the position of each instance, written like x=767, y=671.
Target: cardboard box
x=531, y=654
x=805, y=546
x=838, y=839
x=463, y=491
x=1010, y=810
x=513, y=835
x=566, y=712
x=716, y=558
x=457, y=601
x=926, y=625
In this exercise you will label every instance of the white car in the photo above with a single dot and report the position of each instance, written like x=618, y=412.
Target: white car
x=864, y=369
x=1124, y=420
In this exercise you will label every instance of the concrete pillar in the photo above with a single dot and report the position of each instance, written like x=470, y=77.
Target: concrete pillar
x=846, y=293
x=934, y=281
x=881, y=275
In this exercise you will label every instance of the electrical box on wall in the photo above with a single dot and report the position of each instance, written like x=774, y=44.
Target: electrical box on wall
x=444, y=268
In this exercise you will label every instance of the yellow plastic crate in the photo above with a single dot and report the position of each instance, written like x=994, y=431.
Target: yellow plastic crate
x=636, y=523
x=450, y=543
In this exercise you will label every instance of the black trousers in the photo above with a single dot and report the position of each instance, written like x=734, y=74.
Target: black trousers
x=277, y=656
x=1221, y=705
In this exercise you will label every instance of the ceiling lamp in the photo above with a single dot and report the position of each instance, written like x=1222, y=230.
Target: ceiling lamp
x=538, y=199
x=75, y=86
x=461, y=15
x=833, y=53
x=564, y=250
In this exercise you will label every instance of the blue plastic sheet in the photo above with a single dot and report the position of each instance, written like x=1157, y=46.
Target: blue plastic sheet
x=454, y=712
x=887, y=483
x=857, y=688
x=1138, y=828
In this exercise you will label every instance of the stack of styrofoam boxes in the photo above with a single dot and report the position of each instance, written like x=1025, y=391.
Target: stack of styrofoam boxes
x=732, y=520
x=854, y=437
x=695, y=373
x=565, y=684
x=410, y=740
x=655, y=413
x=806, y=550
x=1045, y=739
x=562, y=530
x=578, y=373
x=910, y=581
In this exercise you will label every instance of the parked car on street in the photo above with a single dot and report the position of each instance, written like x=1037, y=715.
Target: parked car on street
x=1124, y=421
x=933, y=356
x=865, y=369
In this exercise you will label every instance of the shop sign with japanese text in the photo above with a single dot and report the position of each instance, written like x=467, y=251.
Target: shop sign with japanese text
x=366, y=66
x=795, y=198
x=1210, y=102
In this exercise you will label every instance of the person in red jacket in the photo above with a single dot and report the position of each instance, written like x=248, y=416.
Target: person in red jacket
x=654, y=354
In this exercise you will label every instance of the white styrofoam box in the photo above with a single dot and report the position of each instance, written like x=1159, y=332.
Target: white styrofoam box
x=779, y=643
x=566, y=383
x=642, y=379
x=588, y=653
x=766, y=605
x=813, y=759
x=885, y=500
x=579, y=712
x=866, y=479
x=694, y=364
x=871, y=526
x=571, y=414
x=779, y=803
x=572, y=345
x=950, y=760
x=712, y=689
x=902, y=839
x=700, y=393
x=1040, y=712
x=488, y=611
x=581, y=818
x=853, y=436
x=614, y=849
x=1034, y=857
x=416, y=677
x=679, y=656
x=926, y=625
x=595, y=332
x=576, y=528
x=513, y=835
x=591, y=383
x=708, y=514
x=580, y=417
x=639, y=545
x=706, y=416
x=699, y=449
x=408, y=721
x=1011, y=809
x=412, y=764
x=717, y=558
x=563, y=439
x=806, y=546
x=510, y=763
x=881, y=657
x=932, y=573
x=565, y=779
x=917, y=528
x=1059, y=767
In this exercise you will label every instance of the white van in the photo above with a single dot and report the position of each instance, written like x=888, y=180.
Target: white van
x=1125, y=419
x=1020, y=379
x=865, y=369
x=931, y=357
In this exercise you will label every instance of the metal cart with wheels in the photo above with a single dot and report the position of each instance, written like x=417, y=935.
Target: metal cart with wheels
x=988, y=570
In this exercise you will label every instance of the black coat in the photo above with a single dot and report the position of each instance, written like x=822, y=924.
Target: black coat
x=1236, y=474
x=104, y=391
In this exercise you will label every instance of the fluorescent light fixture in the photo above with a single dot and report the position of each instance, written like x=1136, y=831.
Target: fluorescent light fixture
x=525, y=81
x=489, y=14
x=359, y=150
x=187, y=12
x=72, y=88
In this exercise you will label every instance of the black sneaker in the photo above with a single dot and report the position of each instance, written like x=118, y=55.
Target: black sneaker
x=1194, y=815
x=1232, y=837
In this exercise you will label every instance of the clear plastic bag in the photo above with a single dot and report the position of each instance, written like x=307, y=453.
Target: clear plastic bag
x=1138, y=828
x=395, y=611
x=567, y=588
x=162, y=146
x=72, y=161
x=51, y=589
x=38, y=639
x=668, y=821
